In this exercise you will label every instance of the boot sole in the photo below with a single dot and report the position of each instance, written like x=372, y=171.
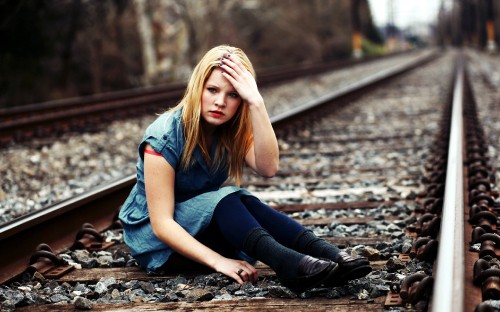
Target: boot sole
x=344, y=278
x=304, y=283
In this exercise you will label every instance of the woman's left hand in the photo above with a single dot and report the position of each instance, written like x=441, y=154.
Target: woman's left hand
x=242, y=80
x=263, y=155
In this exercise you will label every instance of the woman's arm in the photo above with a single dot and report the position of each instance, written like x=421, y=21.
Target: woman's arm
x=159, y=178
x=263, y=156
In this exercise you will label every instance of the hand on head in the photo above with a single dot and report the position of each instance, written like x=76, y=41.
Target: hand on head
x=242, y=80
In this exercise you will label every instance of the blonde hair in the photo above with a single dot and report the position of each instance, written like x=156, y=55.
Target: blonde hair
x=235, y=135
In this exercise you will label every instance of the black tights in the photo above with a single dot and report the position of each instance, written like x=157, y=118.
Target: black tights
x=234, y=218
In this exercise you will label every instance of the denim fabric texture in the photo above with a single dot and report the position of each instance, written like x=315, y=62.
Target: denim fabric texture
x=197, y=193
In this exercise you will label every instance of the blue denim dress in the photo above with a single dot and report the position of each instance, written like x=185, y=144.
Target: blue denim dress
x=197, y=193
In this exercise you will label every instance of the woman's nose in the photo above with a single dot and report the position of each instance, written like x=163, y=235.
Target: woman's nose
x=220, y=100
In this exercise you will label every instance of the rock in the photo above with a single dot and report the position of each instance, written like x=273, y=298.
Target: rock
x=232, y=288
x=136, y=295
x=199, y=294
x=406, y=247
x=7, y=306
x=59, y=298
x=84, y=258
x=281, y=292
x=13, y=296
x=249, y=289
x=370, y=253
x=394, y=264
x=82, y=289
x=379, y=291
x=104, y=261
x=147, y=287
x=38, y=277
x=170, y=297
x=102, y=286
x=363, y=295
x=178, y=280
x=115, y=294
x=82, y=303
x=393, y=228
x=333, y=294
x=223, y=297
x=118, y=263
x=52, y=284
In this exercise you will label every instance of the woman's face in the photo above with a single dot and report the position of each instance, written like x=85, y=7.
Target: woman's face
x=219, y=100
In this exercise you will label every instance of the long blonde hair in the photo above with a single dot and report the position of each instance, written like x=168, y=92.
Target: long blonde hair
x=235, y=136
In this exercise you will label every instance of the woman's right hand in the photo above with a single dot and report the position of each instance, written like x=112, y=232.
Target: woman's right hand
x=239, y=270
x=159, y=179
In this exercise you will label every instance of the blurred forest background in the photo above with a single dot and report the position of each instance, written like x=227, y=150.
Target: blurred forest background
x=54, y=49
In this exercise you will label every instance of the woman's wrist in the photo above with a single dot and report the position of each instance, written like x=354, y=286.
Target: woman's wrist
x=257, y=107
x=213, y=260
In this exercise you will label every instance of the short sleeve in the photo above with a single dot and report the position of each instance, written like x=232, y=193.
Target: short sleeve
x=166, y=137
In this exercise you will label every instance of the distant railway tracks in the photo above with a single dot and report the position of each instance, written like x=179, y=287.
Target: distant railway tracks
x=383, y=169
x=92, y=112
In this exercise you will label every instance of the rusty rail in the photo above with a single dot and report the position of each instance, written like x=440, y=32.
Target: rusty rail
x=58, y=225
x=449, y=277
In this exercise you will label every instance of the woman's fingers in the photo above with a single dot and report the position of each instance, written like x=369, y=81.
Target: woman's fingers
x=249, y=271
x=234, y=67
x=241, y=79
x=230, y=69
x=233, y=63
x=245, y=272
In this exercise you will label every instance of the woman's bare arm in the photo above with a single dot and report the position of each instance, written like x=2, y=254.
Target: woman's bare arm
x=263, y=156
x=159, y=179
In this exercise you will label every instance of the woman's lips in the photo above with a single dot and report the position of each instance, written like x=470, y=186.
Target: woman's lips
x=216, y=114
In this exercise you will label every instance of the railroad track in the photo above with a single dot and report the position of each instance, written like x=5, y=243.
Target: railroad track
x=367, y=172
x=50, y=119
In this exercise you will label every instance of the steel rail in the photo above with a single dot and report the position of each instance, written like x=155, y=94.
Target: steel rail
x=448, y=293
x=265, y=77
x=58, y=224
x=55, y=117
x=367, y=81
x=21, y=236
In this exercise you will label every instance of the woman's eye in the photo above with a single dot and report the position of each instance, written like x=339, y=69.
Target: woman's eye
x=234, y=95
x=211, y=90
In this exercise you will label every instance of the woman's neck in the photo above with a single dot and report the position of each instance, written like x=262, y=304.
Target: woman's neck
x=208, y=135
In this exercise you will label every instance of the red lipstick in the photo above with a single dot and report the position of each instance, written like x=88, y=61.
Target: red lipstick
x=216, y=114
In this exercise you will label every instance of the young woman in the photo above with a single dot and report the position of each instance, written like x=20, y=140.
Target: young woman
x=179, y=215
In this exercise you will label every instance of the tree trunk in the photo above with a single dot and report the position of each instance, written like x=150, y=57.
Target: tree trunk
x=148, y=51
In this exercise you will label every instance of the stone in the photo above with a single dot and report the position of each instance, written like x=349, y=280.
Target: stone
x=115, y=294
x=199, y=294
x=84, y=258
x=281, y=292
x=147, y=287
x=82, y=303
x=7, y=306
x=57, y=298
x=170, y=297
x=38, y=277
x=394, y=264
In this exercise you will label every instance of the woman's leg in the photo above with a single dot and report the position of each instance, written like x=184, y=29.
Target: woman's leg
x=244, y=232
x=293, y=235
x=283, y=228
x=288, y=231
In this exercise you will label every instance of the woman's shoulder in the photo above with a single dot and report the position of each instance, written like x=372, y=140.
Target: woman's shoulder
x=166, y=125
x=165, y=136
